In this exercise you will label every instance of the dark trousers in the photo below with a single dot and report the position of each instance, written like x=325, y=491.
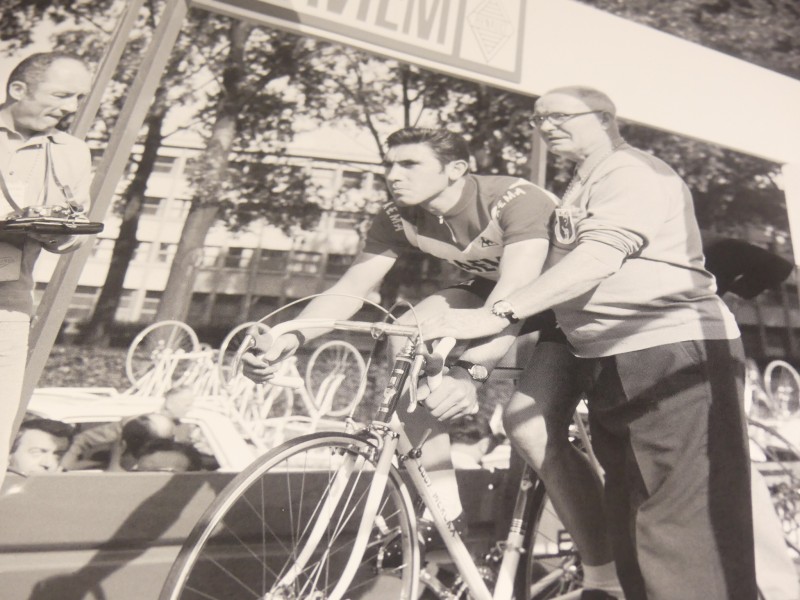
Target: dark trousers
x=668, y=427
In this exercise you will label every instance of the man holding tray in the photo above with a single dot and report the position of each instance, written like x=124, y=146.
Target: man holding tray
x=40, y=166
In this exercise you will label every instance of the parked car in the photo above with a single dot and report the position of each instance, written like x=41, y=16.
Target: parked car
x=91, y=535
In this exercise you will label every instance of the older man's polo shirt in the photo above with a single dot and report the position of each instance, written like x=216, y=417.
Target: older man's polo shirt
x=23, y=163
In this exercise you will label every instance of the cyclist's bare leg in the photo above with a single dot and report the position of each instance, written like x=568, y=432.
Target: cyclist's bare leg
x=537, y=420
x=436, y=457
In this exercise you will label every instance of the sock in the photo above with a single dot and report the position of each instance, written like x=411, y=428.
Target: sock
x=445, y=486
x=602, y=577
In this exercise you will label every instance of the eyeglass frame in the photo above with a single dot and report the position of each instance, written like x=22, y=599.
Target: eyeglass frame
x=560, y=118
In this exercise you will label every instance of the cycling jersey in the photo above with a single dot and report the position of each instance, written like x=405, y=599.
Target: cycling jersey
x=493, y=211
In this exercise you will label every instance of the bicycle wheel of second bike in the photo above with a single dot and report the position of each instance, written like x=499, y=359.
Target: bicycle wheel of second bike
x=274, y=532
x=336, y=377
x=550, y=565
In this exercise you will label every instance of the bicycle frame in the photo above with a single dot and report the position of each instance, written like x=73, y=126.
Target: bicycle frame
x=391, y=441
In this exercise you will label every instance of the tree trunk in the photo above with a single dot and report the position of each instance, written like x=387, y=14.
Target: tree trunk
x=182, y=275
x=98, y=330
x=212, y=166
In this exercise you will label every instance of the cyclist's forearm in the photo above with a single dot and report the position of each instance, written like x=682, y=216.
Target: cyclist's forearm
x=328, y=306
x=489, y=352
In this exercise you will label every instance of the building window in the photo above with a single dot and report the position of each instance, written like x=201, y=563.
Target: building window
x=177, y=209
x=166, y=252
x=305, y=262
x=323, y=178
x=346, y=220
x=238, y=258
x=273, y=261
x=103, y=249
x=351, y=180
x=150, y=205
x=338, y=263
x=142, y=252
x=210, y=256
x=164, y=164
x=152, y=298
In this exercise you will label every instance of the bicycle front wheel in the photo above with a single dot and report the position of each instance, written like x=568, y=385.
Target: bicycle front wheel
x=285, y=528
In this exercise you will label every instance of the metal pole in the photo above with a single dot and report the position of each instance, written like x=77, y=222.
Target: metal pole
x=50, y=314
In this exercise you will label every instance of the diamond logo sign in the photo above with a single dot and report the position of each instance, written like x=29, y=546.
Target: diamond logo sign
x=491, y=26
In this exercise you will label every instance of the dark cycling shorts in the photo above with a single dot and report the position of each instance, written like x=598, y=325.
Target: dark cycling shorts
x=544, y=321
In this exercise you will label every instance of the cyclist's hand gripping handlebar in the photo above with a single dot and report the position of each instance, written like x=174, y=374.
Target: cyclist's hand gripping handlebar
x=431, y=367
x=260, y=338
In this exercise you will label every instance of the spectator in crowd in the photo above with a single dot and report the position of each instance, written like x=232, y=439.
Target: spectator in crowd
x=177, y=402
x=136, y=434
x=39, y=164
x=39, y=446
x=168, y=455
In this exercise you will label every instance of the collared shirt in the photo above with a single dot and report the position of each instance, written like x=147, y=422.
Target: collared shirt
x=23, y=163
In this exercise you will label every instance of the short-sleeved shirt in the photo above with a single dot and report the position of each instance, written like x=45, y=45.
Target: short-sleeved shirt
x=492, y=212
x=23, y=165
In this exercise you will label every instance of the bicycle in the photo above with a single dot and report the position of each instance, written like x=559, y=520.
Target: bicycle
x=330, y=515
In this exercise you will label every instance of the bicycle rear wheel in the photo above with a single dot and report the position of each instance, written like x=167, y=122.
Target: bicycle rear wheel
x=550, y=565
x=274, y=532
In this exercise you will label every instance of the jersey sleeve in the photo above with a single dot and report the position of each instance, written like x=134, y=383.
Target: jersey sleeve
x=527, y=215
x=386, y=234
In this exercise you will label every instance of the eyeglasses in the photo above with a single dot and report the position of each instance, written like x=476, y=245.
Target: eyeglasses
x=557, y=118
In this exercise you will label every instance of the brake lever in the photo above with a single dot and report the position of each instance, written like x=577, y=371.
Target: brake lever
x=433, y=366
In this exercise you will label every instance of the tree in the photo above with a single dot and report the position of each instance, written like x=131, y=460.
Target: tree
x=730, y=188
x=233, y=178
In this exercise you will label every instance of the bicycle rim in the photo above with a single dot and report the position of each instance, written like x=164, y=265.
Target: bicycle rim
x=254, y=540
x=778, y=460
x=551, y=565
x=158, y=352
x=783, y=386
x=335, y=377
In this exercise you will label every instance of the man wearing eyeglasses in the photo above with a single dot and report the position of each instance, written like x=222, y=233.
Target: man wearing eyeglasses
x=654, y=349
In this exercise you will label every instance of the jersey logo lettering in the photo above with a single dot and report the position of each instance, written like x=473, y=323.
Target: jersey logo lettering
x=479, y=265
x=514, y=192
x=486, y=242
x=394, y=215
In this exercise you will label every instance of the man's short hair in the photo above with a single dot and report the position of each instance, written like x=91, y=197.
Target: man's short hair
x=31, y=70
x=138, y=431
x=191, y=453
x=446, y=145
x=55, y=428
x=591, y=97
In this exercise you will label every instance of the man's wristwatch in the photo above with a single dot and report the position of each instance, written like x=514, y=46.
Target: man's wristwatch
x=504, y=309
x=478, y=373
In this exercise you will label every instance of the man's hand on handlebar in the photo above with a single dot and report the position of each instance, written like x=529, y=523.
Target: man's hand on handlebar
x=262, y=361
x=456, y=396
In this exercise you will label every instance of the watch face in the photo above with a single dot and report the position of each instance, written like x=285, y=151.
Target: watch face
x=479, y=373
x=503, y=309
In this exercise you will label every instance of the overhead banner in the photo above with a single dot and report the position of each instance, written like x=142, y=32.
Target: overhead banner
x=480, y=36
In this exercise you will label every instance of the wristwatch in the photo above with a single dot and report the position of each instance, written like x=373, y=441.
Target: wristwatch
x=478, y=373
x=504, y=309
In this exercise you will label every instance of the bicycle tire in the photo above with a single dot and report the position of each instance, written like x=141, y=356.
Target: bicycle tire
x=156, y=344
x=550, y=565
x=778, y=459
x=249, y=539
x=227, y=351
x=782, y=383
x=336, y=377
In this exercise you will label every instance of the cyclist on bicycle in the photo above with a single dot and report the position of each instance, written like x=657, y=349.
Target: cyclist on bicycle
x=493, y=227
